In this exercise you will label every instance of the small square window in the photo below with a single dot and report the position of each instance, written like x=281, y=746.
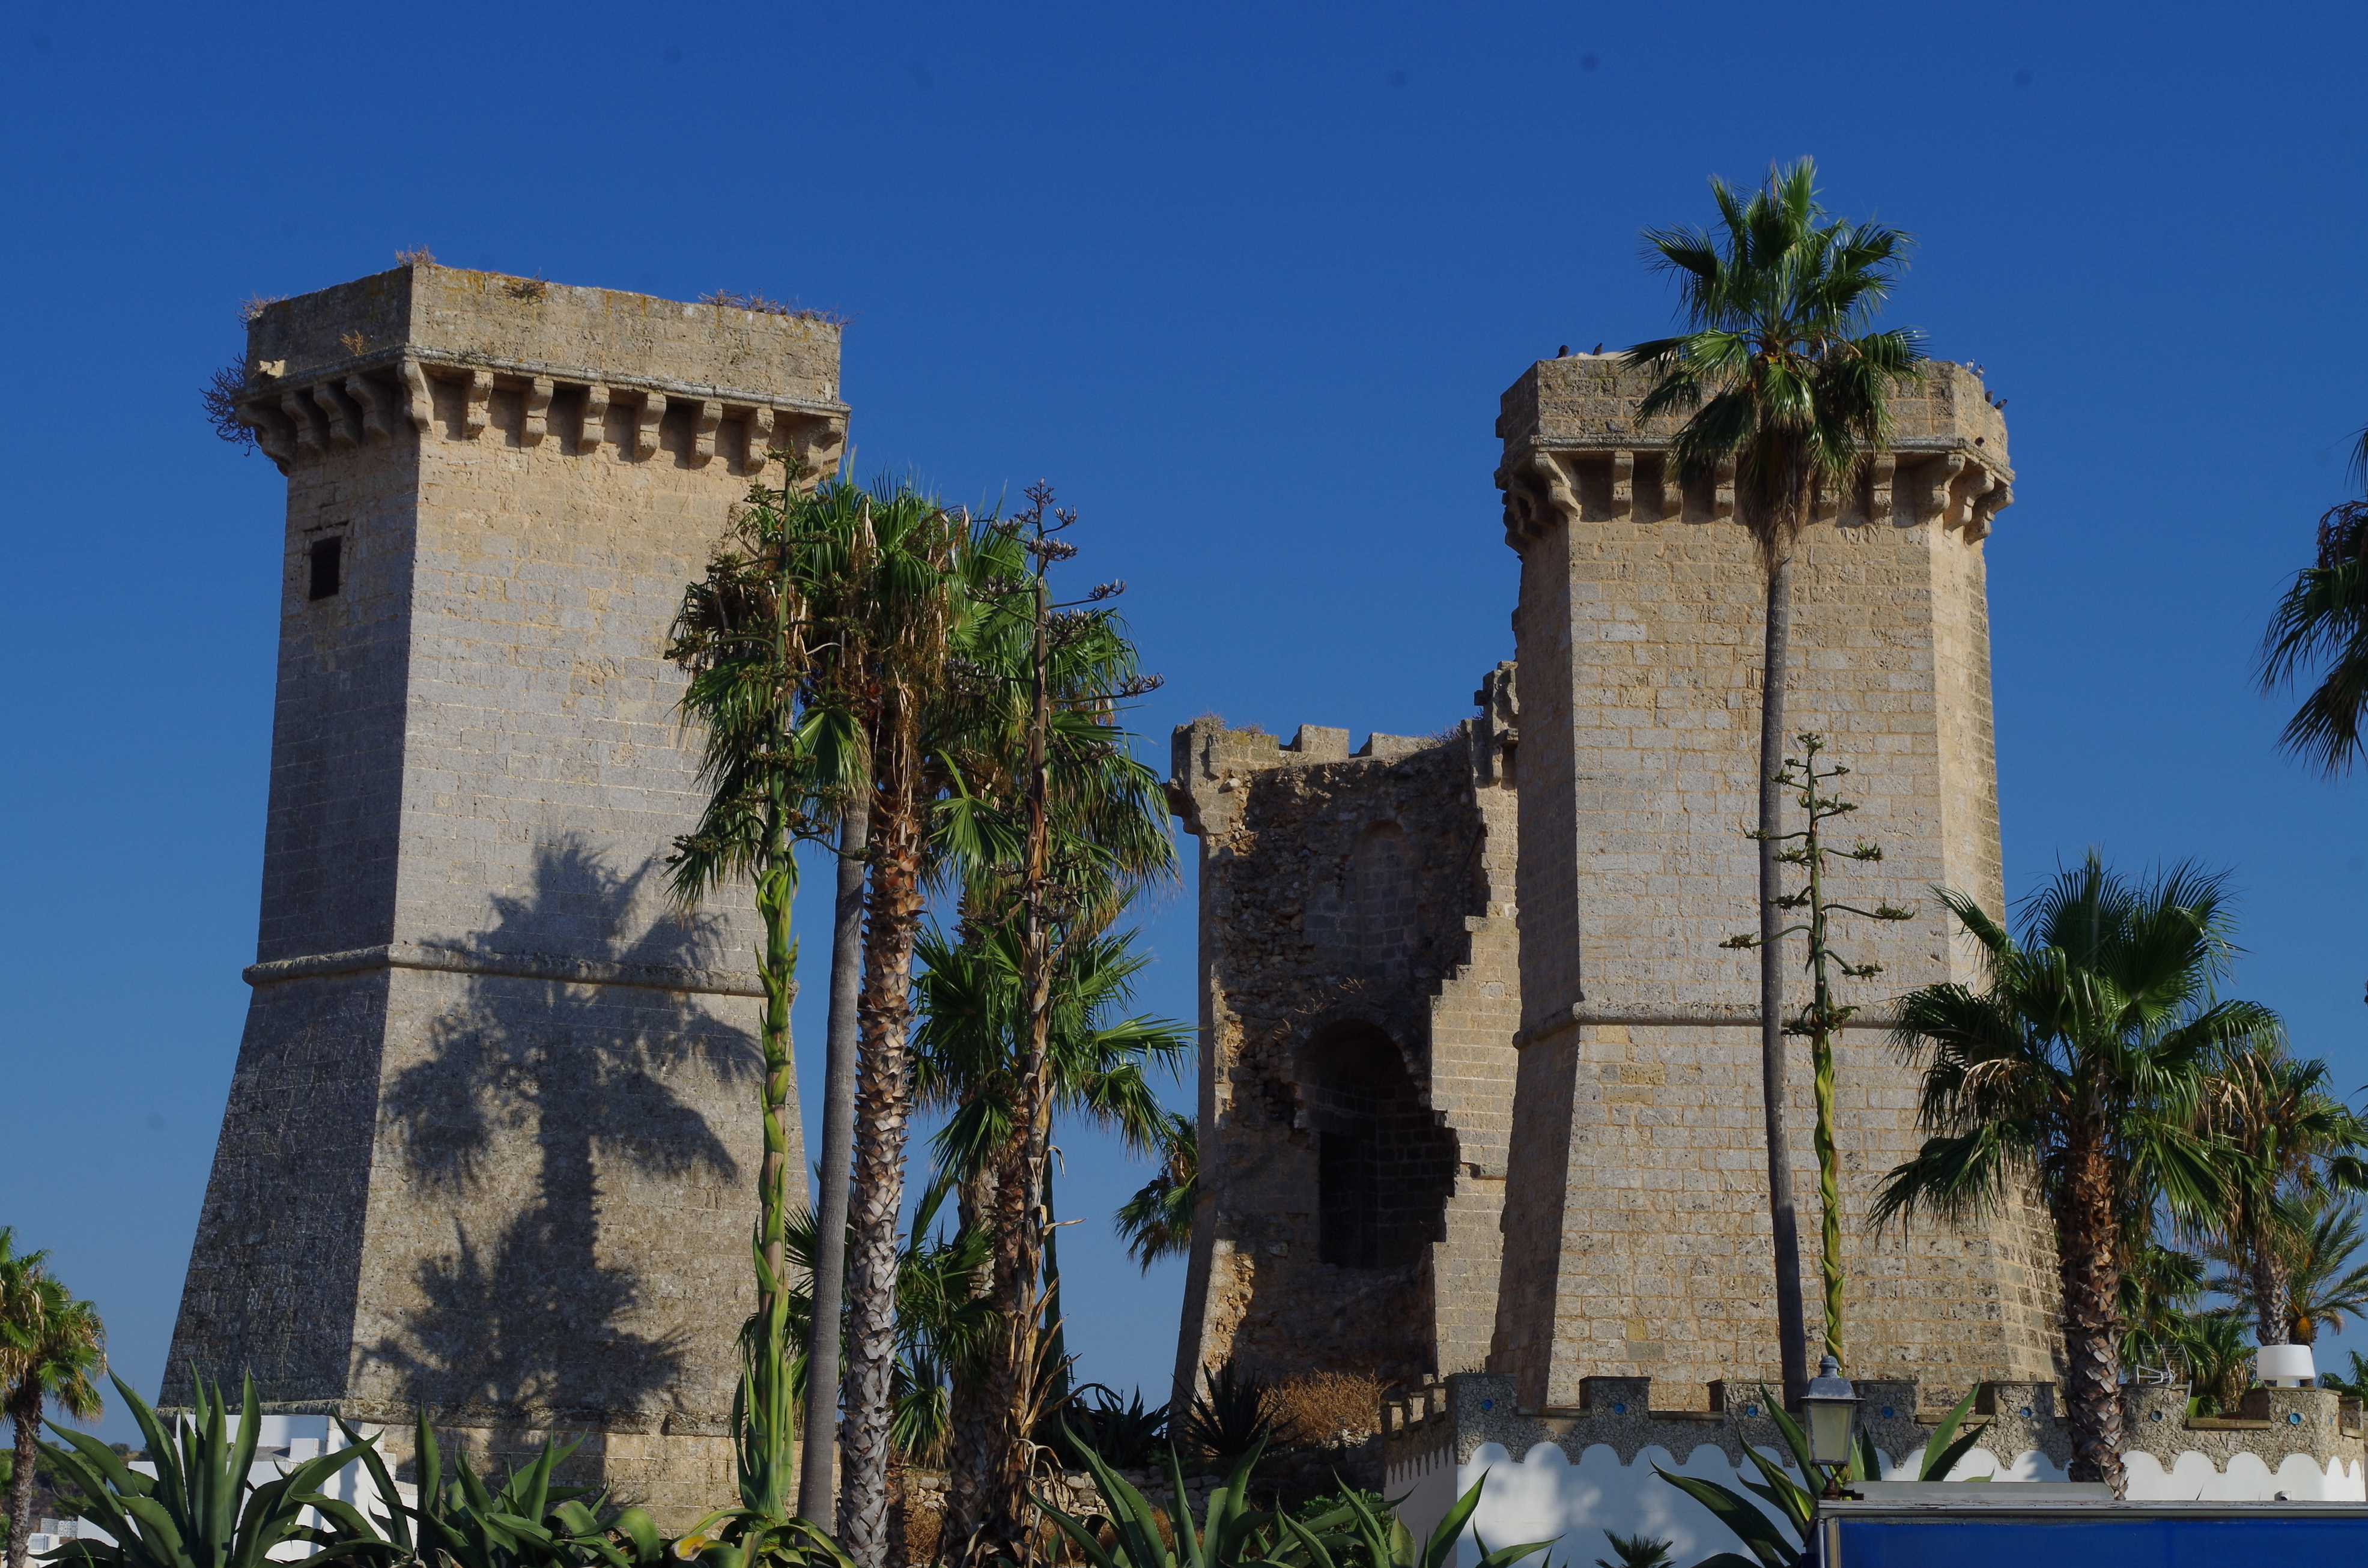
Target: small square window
x=328, y=557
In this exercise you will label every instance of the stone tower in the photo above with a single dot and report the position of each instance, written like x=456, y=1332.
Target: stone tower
x=490, y=1142
x=1358, y=1004
x=1636, y=1231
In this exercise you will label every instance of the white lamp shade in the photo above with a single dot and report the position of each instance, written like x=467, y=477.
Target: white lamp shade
x=2286, y=1365
x=1829, y=1429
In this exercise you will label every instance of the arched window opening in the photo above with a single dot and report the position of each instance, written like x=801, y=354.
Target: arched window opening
x=1385, y=1166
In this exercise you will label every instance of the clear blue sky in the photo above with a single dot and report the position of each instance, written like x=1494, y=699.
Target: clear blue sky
x=1245, y=281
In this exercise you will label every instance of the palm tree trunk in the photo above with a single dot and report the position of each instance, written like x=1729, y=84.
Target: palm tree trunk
x=1791, y=1326
x=2090, y=1233
x=971, y=1425
x=2272, y=1297
x=814, y=1482
x=1014, y=1361
x=884, y=1110
x=28, y=1418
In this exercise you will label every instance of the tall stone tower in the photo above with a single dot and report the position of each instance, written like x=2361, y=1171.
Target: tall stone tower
x=491, y=1144
x=1637, y=1230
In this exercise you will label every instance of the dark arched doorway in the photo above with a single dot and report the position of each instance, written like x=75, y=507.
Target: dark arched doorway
x=1384, y=1165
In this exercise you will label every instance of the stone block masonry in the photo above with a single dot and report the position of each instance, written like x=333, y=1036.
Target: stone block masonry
x=491, y=1142
x=1359, y=1002
x=1636, y=1226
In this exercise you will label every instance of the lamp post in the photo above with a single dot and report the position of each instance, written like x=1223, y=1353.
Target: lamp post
x=1832, y=1407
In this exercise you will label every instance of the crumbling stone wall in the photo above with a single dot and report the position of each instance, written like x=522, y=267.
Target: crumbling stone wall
x=1359, y=1002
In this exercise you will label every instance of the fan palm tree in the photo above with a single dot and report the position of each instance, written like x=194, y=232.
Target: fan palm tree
x=1779, y=374
x=52, y=1349
x=887, y=688
x=2321, y=626
x=2290, y=1142
x=2086, y=1062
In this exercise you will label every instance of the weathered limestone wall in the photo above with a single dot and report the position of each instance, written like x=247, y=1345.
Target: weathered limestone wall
x=488, y=1146
x=1358, y=968
x=1638, y=1235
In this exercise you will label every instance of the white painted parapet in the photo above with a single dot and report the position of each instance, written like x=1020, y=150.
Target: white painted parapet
x=1577, y=1473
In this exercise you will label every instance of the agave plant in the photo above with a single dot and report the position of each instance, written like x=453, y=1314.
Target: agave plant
x=532, y=1522
x=1358, y=1531
x=1795, y=1505
x=1124, y=1433
x=200, y=1510
x=1229, y=1532
x=1232, y=1414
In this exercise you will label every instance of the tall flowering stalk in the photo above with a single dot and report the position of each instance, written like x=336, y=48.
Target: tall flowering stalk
x=1824, y=1016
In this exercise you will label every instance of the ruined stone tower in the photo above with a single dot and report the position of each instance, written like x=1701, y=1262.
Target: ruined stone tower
x=1637, y=1225
x=1358, y=1005
x=490, y=1143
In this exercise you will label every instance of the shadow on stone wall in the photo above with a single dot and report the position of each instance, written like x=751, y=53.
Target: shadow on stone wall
x=527, y=1314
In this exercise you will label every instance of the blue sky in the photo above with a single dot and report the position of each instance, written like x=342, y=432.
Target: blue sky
x=1245, y=282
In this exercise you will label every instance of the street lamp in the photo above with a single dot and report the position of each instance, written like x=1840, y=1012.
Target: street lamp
x=1832, y=1407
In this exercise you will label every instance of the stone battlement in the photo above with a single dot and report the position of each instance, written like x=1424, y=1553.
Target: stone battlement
x=1574, y=450
x=2025, y=1428
x=424, y=348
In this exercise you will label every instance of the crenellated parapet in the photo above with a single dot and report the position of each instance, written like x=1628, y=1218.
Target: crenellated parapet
x=1575, y=449
x=429, y=353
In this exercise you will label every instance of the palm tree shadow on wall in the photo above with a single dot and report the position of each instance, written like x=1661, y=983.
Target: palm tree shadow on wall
x=535, y=1100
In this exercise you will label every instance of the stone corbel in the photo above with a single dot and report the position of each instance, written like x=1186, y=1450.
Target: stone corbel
x=1828, y=503
x=345, y=430
x=1721, y=493
x=705, y=422
x=297, y=407
x=262, y=416
x=759, y=426
x=1557, y=486
x=372, y=399
x=1623, y=481
x=1882, y=486
x=645, y=424
x=478, y=398
x=1996, y=499
x=1966, y=502
x=1941, y=477
x=537, y=422
x=813, y=443
x=596, y=420
x=418, y=405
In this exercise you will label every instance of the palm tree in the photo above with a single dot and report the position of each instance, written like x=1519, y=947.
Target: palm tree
x=1055, y=827
x=2323, y=1285
x=51, y=1348
x=885, y=689
x=2322, y=624
x=2159, y=1287
x=1156, y=1221
x=2290, y=1142
x=1784, y=379
x=968, y=1061
x=2085, y=1063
